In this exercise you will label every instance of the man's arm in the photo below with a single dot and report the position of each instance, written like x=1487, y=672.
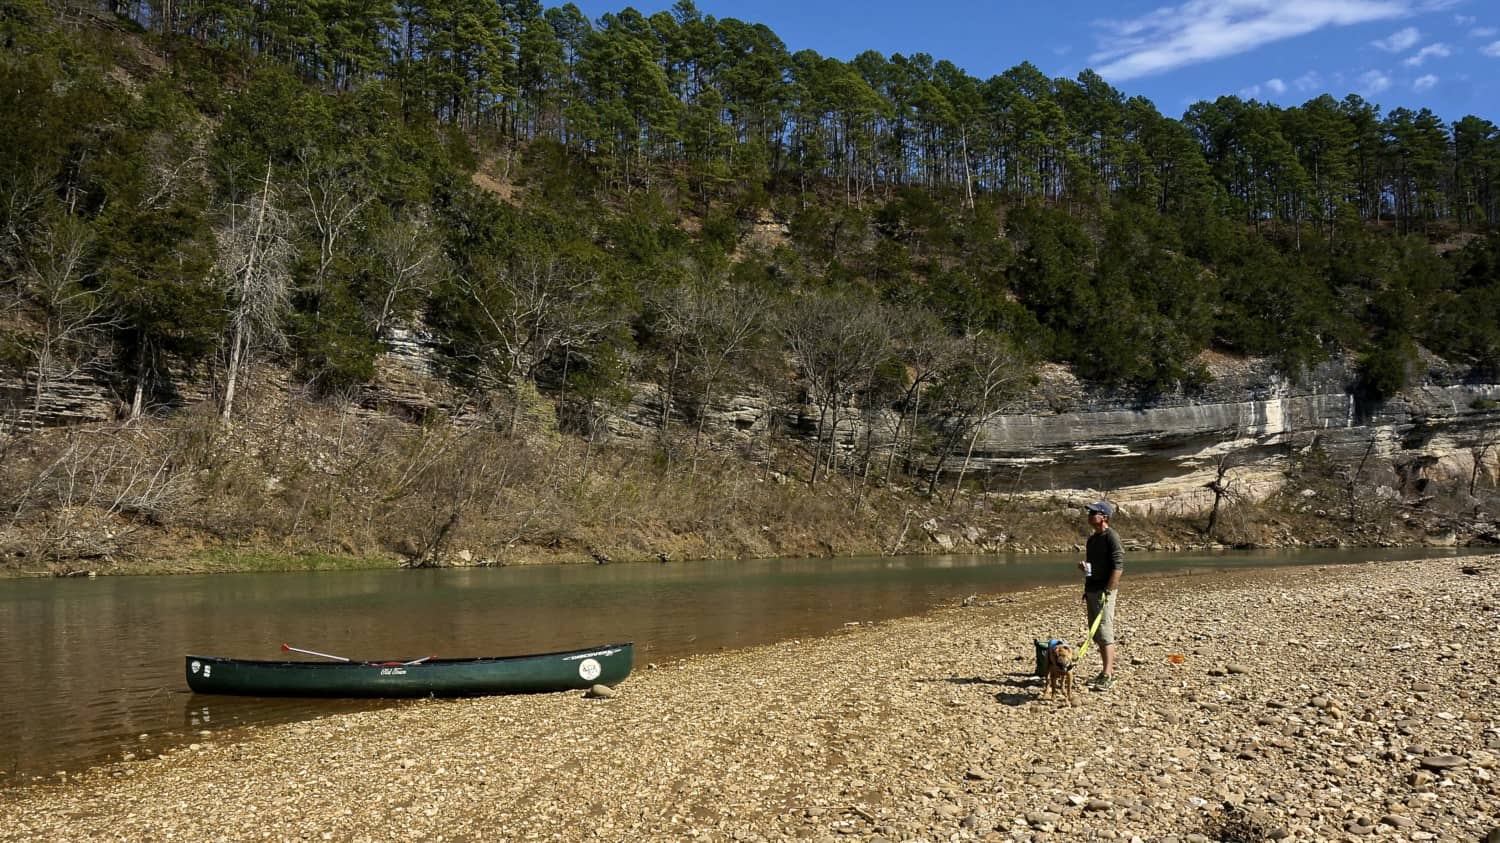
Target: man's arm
x=1117, y=557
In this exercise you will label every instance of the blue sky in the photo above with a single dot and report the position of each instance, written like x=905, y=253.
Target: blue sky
x=1441, y=54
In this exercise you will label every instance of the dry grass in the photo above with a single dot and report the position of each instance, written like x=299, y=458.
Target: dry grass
x=294, y=476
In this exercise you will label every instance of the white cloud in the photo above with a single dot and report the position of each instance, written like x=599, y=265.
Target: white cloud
x=1484, y=32
x=1204, y=30
x=1373, y=82
x=1272, y=87
x=1424, y=83
x=1464, y=20
x=1400, y=41
x=1491, y=50
x=1309, y=81
x=1438, y=50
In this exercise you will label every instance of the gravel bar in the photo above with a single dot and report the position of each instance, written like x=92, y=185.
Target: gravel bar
x=1332, y=703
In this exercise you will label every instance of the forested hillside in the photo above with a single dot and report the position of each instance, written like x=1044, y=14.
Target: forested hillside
x=194, y=192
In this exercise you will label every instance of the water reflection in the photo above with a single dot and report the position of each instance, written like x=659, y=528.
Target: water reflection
x=94, y=664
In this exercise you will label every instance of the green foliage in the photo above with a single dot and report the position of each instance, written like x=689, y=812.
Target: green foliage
x=333, y=344
x=1466, y=315
x=153, y=274
x=1276, y=306
x=1084, y=227
x=1387, y=368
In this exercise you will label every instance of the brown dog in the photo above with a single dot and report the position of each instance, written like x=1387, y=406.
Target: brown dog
x=1059, y=671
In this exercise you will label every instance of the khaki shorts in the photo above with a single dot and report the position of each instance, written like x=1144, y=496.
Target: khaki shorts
x=1106, y=631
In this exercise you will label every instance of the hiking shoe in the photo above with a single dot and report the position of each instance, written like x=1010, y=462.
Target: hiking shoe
x=1096, y=680
x=1104, y=683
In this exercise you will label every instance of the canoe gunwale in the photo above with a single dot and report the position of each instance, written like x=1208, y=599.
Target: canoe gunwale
x=603, y=650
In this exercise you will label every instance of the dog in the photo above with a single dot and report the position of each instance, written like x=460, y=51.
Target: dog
x=1058, y=670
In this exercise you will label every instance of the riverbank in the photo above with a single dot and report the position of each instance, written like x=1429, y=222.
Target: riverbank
x=1029, y=526
x=1334, y=703
x=307, y=485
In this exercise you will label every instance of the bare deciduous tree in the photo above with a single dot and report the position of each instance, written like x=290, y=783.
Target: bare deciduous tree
x=531, y=311
x=991, y=369
x=176, y=162
x=99, y=488
x=1352, y=477
x=837, y=341
x=334, y=200
x=710, y=330
x=71, y=318
x=23, y=194
x=254, y=265
x=406, y=259
x=1221, y=487
x=929, y=351
x=1485, y=441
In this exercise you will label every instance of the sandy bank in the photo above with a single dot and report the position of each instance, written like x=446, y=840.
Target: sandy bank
x=1330, y=703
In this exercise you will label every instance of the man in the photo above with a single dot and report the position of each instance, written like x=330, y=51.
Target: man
x=1102, y=567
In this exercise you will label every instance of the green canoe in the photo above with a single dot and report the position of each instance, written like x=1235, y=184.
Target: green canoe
x=575, y=669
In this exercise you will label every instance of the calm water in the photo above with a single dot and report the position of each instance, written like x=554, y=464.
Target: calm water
x=94, y=667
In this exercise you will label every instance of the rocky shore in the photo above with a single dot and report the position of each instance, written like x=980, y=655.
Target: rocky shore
x=1335, y=703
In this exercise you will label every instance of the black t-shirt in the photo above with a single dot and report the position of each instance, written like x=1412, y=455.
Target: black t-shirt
x=1105, y=556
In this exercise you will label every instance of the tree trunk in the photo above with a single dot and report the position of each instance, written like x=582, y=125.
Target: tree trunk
x=964, y=468
x=1213, y=514
x=241, y=332
x=698, y=432
x=667, y=398
x=232, y=375
x=138, y=401
x=890, y=460
x=963, y=138
x=818, y=449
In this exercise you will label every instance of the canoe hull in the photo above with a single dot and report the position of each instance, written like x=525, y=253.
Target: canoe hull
x=575, y=669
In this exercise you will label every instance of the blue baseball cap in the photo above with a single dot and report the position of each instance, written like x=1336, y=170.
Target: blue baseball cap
x=1102, y=507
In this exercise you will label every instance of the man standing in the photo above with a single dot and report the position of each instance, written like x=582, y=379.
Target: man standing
x=1102, y=567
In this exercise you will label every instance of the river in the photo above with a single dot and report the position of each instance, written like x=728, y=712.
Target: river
x=94, y=666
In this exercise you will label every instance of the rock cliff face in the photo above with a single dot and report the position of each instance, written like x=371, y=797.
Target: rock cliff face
x=1157, y=455
x=70, y=400
x=1061, y=437
x=1160, y=454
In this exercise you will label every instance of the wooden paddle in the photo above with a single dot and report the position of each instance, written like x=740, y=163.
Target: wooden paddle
x=289, y=648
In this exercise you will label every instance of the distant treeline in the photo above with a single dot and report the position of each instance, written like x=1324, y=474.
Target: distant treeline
x=727, y=99
x=207, y=185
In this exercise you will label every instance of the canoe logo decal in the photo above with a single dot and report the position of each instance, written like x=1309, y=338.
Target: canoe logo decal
x=393, y=671
x=196, y=666
x=589, y=669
